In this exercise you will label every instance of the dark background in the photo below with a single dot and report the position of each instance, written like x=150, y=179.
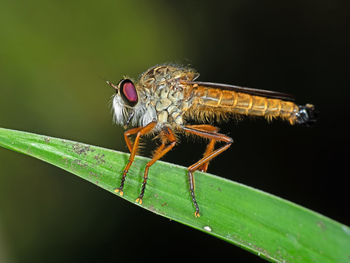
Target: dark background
x=54, y=58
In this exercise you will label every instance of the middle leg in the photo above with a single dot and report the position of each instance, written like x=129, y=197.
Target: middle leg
x=168, y=140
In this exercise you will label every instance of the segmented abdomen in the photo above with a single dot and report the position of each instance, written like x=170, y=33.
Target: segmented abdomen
x=244, y=103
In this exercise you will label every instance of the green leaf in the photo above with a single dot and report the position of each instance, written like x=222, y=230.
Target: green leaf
x=266, y=225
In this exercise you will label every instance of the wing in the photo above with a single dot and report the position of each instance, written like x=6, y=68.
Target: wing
x=256, y=92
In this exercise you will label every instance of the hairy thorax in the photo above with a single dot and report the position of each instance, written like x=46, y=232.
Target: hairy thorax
x=161, y=89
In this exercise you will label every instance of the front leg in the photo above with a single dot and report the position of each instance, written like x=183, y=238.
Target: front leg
x=128, y=133
x=139, y=132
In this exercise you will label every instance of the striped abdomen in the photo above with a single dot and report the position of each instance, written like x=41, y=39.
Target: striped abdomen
x=228, y=101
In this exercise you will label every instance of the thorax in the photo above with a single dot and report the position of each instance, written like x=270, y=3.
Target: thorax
x=166, y=99
x=162, y=93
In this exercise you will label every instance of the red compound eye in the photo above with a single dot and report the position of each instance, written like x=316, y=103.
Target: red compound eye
x=128, y=92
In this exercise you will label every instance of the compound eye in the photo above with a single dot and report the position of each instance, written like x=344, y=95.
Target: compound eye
x=128, y=92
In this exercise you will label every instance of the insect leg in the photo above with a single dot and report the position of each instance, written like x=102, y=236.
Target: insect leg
x=217, y=137
x=140, y=131
x=207, y=152
x=168, y=142
x=128, y=133
x=211, y=144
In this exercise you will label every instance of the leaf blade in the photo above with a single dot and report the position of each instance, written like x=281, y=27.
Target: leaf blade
x=273, y=228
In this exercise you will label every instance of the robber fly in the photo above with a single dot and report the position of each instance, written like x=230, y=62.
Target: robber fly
x=165, y=99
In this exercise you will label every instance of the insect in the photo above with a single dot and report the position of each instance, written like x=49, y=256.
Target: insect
x=166, y=98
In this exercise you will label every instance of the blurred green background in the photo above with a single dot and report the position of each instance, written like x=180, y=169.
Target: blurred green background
x=54, y=59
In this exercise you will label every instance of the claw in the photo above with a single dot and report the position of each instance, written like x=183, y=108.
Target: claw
x=139, y=200
x=196, y=214
x=120, y=191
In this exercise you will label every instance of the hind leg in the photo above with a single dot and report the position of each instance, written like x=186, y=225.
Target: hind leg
x=213, y=136
x=211, y=144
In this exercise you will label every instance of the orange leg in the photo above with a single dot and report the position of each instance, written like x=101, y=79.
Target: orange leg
x=133, y=148
x=207, y=152
x=211, y=144
x=210, y=154
x=128, y=140
x=168, y=142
